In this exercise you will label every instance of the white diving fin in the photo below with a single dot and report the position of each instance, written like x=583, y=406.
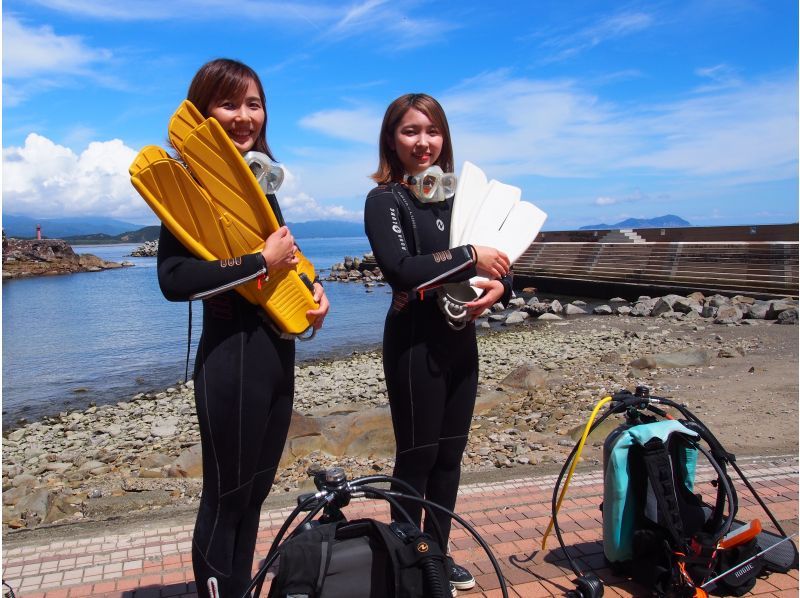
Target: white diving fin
x=470, y=191
x=490, y=214
x=493, y=212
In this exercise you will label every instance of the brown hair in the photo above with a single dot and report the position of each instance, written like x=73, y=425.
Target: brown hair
x=226, y=78
x=390, y=169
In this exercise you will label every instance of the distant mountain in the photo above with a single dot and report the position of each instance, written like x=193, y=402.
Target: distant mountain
x=148, y=233
x=667, y=221
x=23, y=227
x=108, y=230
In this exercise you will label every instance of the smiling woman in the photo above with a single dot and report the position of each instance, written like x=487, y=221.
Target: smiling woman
x=244, y=370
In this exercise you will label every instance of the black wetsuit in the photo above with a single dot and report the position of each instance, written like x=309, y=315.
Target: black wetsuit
x=431, y=370
x=244, y=387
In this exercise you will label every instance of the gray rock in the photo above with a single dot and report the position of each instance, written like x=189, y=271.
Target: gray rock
x=603, y=310
x=549, y=317
x=555, y=306
x=643, y=307
x=727, y=314
x=573, y=310
x=776, y=307
x=518, y=317
x=718, y=300
x=788, y=316
x=164, y=428
x=663, y=305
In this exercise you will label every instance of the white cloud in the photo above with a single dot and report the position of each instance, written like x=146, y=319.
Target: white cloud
x=302, y=207
x=518, y=127
x=154, y=10
x=45, y=179
x=606, y=201
x=31, y=52
x=608, y=28
x=401, y=29
x=637, y=195
x=361, y=125
x=748, y=133
x=298, y=203
x=719, y=75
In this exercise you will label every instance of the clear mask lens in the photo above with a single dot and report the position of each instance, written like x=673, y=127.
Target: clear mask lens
x=268, y=173
x=432, y=185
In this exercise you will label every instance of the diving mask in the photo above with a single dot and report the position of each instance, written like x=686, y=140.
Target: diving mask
x=268, y=174
x=431, y=185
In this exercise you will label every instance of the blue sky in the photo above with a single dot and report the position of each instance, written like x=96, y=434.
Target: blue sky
x=598, y=110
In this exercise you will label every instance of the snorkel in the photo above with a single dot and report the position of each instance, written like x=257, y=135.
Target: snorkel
x=432, y=185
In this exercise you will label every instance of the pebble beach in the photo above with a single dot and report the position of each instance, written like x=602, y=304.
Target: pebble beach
x=541, y=373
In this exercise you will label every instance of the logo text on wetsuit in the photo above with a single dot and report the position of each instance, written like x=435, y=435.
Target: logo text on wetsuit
x=397, y=229
x=442, y=256
x=233, y=261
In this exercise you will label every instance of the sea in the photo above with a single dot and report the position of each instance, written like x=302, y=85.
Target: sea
x=101, y=337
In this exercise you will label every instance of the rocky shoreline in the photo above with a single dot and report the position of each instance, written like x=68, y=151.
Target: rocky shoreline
x=539, y=379
x=23, y=258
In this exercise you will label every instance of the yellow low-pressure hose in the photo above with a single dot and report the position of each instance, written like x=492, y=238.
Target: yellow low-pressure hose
x=574, y=464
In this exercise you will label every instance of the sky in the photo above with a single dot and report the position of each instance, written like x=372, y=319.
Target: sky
x=598, y=110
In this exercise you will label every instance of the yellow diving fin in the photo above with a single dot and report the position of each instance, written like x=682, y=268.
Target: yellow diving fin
x=220, y=169
x=221, y=225
x=186, y=118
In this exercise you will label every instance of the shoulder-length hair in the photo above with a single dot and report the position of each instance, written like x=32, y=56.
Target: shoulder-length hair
x=390, y=169
x=225, y=78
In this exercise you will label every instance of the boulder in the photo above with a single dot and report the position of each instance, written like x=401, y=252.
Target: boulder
x=679, y=359
x=526, y=377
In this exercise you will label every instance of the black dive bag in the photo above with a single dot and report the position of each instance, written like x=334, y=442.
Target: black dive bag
x=362, y=558
x=331, y=557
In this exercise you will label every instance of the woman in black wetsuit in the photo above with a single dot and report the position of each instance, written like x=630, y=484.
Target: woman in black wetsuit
x=244, y=371
x=431, y=369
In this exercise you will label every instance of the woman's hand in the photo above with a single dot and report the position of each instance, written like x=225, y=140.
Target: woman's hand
x=322, y=311
x=493, y=290
x=279, y=250
x=490, y=262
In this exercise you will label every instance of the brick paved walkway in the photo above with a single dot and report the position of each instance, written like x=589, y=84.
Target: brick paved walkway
x=511, y=516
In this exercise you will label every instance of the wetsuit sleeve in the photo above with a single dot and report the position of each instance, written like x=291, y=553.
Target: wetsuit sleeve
x=181, y=274
x=402, y=269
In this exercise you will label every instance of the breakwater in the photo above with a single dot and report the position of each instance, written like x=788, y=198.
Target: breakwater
x=759, y=261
